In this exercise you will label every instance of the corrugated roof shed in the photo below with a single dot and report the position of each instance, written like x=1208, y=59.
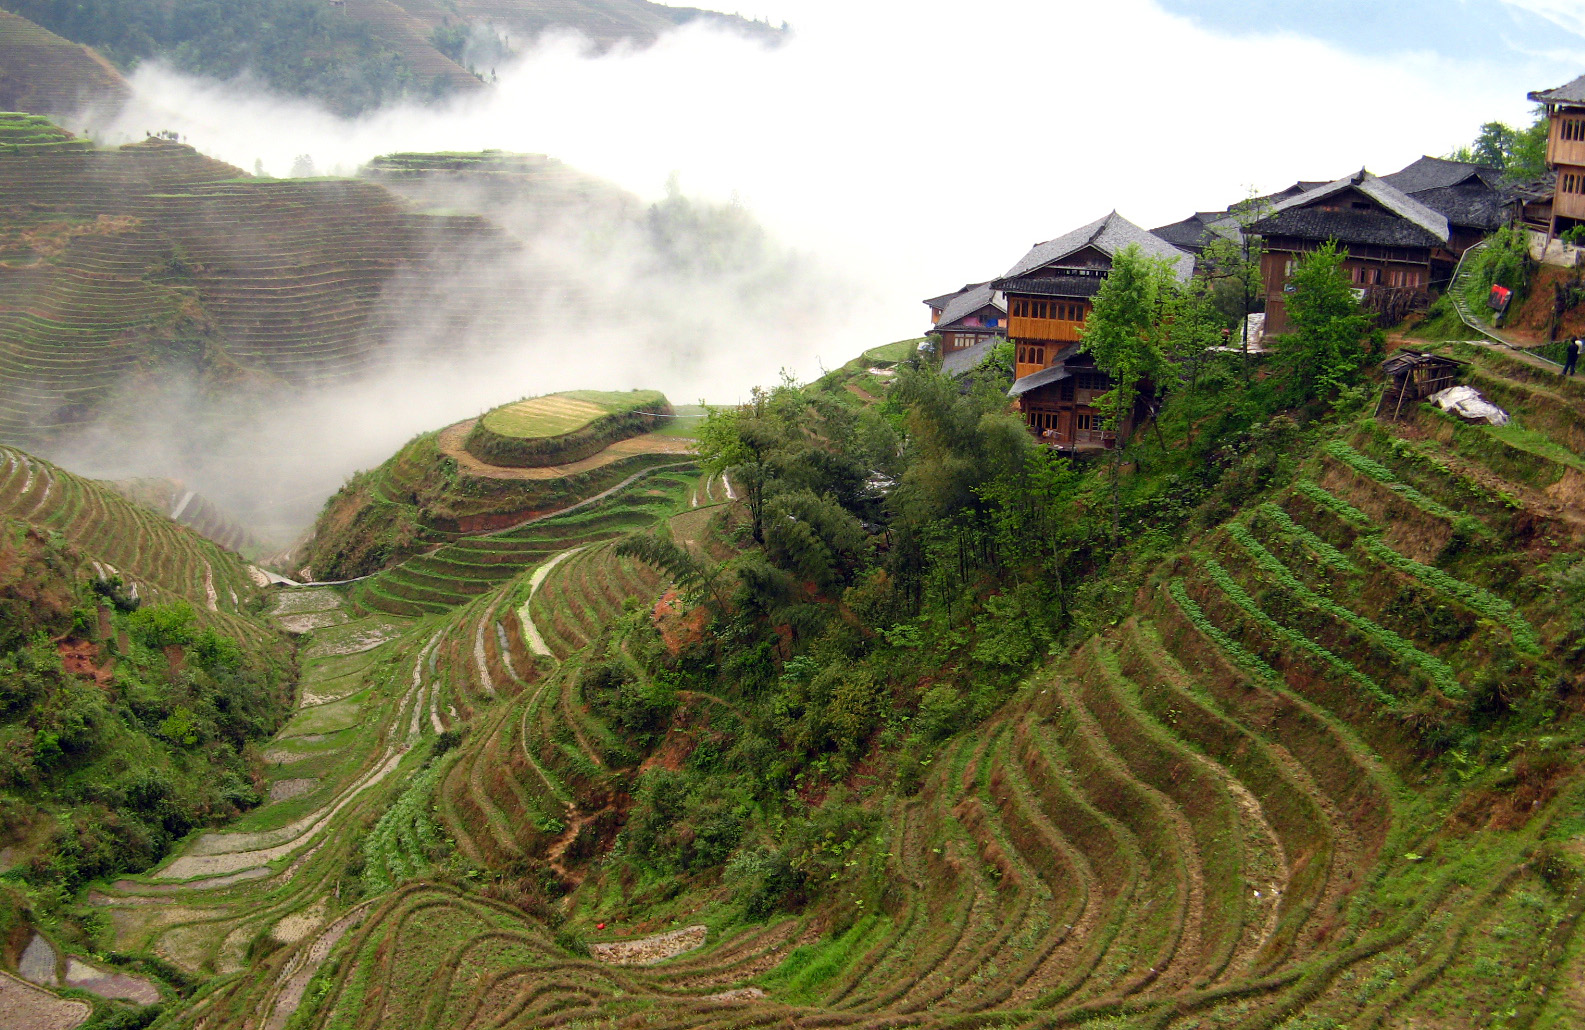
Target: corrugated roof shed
x=1035, y=380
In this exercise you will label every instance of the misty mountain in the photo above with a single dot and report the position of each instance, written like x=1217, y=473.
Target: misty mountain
x=166, y=315
x=351, y=55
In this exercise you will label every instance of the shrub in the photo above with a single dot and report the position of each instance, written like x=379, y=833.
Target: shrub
x=940, y=712
x=162, y=625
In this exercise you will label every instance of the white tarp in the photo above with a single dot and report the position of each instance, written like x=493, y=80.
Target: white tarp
x=1466, y=402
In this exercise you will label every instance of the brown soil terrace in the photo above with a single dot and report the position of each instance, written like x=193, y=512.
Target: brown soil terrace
x=646, y=951
x=452, y=437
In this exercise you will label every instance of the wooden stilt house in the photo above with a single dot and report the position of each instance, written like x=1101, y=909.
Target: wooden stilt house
x=1393, y=242
x=1565, y=152
x=1049, y=295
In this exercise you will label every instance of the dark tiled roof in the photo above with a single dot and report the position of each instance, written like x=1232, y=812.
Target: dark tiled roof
x=959, y=362
x=1110, y=235
x=1365, y=227
x=1431, y=173
x=1408, y=222
x=1544, y=188
x=1191, y=234
x=947, y=298
x=1034, y=381
x=1471, y=203
x=968, y=302
x=1573, y=93
x=1060, y=286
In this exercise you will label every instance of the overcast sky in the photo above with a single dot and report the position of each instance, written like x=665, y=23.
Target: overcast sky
x=919, y=147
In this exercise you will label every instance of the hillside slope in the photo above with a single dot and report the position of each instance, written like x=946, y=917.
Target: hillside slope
x=352, y=56
x=44, y=74
x=153, y=260
x=135, y=686
x=1324, y=772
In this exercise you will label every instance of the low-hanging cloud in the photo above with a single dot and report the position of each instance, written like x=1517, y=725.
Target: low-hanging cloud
x=892, y=155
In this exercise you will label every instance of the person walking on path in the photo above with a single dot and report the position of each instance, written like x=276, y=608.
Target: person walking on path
x=1571, y=356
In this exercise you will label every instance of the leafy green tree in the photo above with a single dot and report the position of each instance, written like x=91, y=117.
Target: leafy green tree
x=1229, y=272
x=737, y=443
x=1331, y=337
x=1127, y=332
x=686, y=569
x=1519, y=153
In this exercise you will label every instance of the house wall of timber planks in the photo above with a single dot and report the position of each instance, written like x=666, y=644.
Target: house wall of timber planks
x=1565, y=151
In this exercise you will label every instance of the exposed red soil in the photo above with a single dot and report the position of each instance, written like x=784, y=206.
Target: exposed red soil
x=82, y=658
x=678, y=628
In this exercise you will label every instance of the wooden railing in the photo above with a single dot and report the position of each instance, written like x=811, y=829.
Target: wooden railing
x=1044, y=329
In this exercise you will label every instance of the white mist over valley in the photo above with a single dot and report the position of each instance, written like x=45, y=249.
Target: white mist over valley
x=873, y=159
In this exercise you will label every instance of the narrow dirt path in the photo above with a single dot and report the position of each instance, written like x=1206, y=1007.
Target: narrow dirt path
x=536, y=643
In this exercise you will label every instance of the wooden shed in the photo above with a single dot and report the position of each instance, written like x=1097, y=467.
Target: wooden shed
x=1416, y=375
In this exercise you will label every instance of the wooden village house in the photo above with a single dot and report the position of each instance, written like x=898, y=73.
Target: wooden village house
x=1200, y=229
x=1565, y=156
x=1469, y=196
x=1393, y=241
x=966, y=325
x=1049, y=295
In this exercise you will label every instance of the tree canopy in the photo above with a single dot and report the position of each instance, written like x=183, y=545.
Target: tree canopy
x=1519, y=152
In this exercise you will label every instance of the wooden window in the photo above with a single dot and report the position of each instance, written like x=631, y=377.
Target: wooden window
x=1084, y=421
x=1573, y=182
x=1572, y=130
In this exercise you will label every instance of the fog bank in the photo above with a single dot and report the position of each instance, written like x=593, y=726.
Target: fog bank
x=892, y=154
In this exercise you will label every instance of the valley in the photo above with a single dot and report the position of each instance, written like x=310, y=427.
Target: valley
x=1187, y=632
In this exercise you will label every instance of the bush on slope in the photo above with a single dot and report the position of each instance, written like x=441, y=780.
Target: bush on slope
x=124, y=726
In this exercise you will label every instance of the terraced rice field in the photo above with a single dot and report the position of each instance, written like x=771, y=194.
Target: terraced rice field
x=44, y=74
x=459, y=571
x=375, y=696
x=158, y=559
x=1212, y=814
x=122, y=254
x=543, y=416
x=1206, y=816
